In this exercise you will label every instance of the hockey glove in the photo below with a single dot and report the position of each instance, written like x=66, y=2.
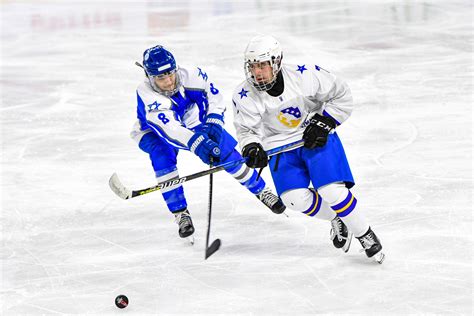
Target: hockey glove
x=316, y=133
x=204, y=148
x=256, y=156
x=213, y=127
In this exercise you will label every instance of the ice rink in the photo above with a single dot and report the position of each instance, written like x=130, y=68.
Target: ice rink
x=70, y=246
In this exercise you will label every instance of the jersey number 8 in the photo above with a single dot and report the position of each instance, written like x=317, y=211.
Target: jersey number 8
x=213, y=89
x=162, y=117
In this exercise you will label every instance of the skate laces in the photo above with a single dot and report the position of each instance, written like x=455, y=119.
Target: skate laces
x=182, y=218
x=267, y=197
x=367, y=241
x=336, y=230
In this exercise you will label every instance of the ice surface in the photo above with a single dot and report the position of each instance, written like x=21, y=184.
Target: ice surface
x=69, y=245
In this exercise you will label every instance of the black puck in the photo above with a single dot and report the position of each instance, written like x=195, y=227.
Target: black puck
x=121, y=301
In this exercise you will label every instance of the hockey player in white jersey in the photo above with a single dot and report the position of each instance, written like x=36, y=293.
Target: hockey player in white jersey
x=278, y=104
x=182, y=109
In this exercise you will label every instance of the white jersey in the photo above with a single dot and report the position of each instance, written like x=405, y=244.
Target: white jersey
x=173, y=117
x=277, y=121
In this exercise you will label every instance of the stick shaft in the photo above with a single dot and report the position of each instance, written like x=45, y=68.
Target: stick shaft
x=125, y=193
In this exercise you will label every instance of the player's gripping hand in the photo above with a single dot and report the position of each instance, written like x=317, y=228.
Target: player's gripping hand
x=316, y=133
x=213, y=127
x=204, y=148
x=256, y=155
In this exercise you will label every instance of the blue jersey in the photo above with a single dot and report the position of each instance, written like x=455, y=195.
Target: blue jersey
x=173, y=118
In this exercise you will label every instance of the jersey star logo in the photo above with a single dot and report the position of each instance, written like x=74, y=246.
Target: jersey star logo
x=243, y=93
x=154, y=106
x=301, y=68
x=202, y=74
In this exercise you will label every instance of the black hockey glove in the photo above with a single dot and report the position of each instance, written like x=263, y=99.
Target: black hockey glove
x=257, y=157
x=316, y=133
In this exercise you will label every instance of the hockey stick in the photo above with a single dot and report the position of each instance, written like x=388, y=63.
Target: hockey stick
x=123, y=192
x=216, y=244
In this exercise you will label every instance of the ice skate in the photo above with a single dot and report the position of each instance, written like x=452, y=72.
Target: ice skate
x=372, y=246
x=341, y=237
x=272, y=201
x=186, y=228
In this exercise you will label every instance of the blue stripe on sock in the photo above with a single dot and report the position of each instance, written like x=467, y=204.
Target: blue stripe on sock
x=233, y=170
x=343, y=203
x=253, y=185
x=162, y=172
x=175, y=199
x=349, y=209
x=315, y=205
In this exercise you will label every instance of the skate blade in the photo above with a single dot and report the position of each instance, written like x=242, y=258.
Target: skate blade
x=379, y=257
x=347, y=245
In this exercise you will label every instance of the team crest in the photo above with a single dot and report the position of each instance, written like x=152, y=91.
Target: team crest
x=290, y=117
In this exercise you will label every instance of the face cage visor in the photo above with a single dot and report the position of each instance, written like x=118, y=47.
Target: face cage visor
x=262, y=86
x=166, y=93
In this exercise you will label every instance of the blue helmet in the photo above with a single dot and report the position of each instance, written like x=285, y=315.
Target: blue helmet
x=158, y=61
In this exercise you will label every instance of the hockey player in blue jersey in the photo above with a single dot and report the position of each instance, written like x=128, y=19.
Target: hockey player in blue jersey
x=181, y=108
x=279, y=104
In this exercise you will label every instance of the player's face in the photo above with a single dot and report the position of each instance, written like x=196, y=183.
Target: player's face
x=166, y=82
x=262, y=72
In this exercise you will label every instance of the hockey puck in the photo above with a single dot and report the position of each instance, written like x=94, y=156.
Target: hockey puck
x=121, y=301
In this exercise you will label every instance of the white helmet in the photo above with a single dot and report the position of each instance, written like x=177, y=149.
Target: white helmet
x=262, y=48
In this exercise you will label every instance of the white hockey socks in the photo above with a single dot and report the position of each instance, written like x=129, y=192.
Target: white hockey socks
x=309, y=202
x=344, y=204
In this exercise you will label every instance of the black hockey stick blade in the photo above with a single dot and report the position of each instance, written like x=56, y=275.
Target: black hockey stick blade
x=216, y=244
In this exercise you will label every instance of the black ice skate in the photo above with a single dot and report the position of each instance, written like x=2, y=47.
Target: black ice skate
x=185, y=223
x=272, y=201
x=372, y=246
x=341, y=237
